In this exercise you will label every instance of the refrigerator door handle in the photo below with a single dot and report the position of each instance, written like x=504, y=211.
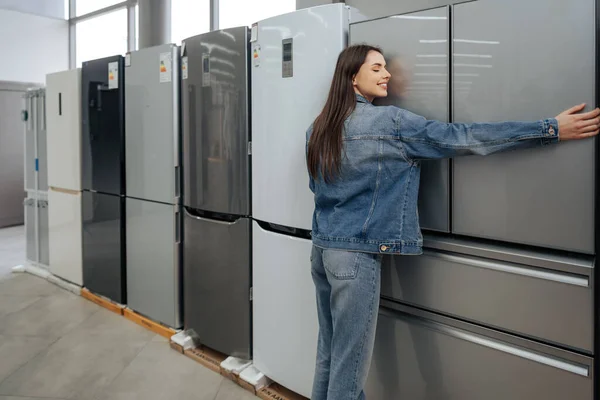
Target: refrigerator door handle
x=43, y=112
x=214, y=221
x=570, y=279
x=177, y=226
x=59, y=103
x=99, y=98
x=177, y=184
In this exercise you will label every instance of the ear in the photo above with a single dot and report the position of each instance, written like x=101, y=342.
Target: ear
x=354, y=80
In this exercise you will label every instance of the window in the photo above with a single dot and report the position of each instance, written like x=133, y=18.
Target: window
x=102, y=36
x=83, y=7
x=189, y=18
x=234, y=13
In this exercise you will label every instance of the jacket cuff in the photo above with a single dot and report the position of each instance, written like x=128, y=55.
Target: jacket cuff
x=550, y=131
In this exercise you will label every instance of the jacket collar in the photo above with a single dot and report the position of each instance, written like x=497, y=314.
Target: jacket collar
x=361, y=99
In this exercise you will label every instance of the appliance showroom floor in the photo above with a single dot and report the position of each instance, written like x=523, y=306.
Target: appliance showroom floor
x=56, y=345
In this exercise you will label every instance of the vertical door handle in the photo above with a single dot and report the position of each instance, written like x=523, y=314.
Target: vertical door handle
x=60, y=104
x=177, y=226
x=177, y=184
x=99, y=98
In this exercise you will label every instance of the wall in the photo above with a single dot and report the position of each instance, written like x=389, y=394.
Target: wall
x=46, y=8
x=32, y=46
x=382, y=8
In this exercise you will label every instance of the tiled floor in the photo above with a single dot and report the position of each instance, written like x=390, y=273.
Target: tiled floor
x=12, y=249
x=56, y=345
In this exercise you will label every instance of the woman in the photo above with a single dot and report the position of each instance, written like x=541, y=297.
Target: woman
x=363, y=163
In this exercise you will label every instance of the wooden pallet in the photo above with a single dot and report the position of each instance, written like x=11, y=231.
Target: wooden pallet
x=147, y=323
x=209, y=358
x=277, y=392
x=102, y=302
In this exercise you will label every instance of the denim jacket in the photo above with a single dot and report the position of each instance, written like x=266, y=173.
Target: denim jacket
x=372, y=205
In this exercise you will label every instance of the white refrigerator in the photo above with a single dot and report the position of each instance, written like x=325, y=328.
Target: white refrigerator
x=63, y=116
x=293, y=57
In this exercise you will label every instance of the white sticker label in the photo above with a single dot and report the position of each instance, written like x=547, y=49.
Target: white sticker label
x=184, y=68
x=113, y=75
x=166, y=63
x=205, y=70
x=256, y=55
x=254, y=32
x=128, y=60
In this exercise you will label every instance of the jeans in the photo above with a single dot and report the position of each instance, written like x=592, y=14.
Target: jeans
x=347, y=286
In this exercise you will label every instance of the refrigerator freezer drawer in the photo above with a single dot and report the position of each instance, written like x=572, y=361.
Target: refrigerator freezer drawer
x=65, y=235
x=217, y=280
x=153, y=267
x=284, y=309
x=541, y=303
x=420, y=356
x=419, y=83
x=520, y=196
x=103, y=245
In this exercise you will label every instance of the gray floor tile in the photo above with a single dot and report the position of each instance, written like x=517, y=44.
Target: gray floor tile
x=15, y=351
x=76, y=366
x=107, y=323
x=159, y=373
x=231, y=391
x=50, y=316
x=10, y=304
x=27, y=285
x=160, y=339
x=27, y=398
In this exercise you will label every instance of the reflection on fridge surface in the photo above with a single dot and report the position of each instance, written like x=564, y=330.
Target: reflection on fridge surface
x=417, y=55
x=216, y=175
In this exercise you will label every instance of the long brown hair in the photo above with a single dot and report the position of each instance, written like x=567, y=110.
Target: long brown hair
x=324, y=156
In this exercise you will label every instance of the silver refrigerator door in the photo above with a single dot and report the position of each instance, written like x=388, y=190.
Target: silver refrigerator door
x=11, y=155
x=152, y=123
x=423, y=356
x=507, y=66
x=153, y=268
x=216, y=262
x=30, y=139
x=416, y=50
x=216, y=136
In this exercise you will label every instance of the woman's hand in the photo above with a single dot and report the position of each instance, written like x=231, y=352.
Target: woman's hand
x=573, y=126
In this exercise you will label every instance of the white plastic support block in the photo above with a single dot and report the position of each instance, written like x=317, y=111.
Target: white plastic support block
x=64, y=284
x=235, y=365
x=36, y=270
x=254, y=377
x=18, y=269
x=183, y=339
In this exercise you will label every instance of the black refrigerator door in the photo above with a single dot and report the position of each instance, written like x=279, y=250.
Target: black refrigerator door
x=103, y=125
x=103, y=245
x=217, y=280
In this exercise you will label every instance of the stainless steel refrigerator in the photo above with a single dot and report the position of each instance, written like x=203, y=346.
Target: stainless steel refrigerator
x=217, y=207
x=293, y=61
x=503, y=307
x=103, y=177
x=152, y=171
